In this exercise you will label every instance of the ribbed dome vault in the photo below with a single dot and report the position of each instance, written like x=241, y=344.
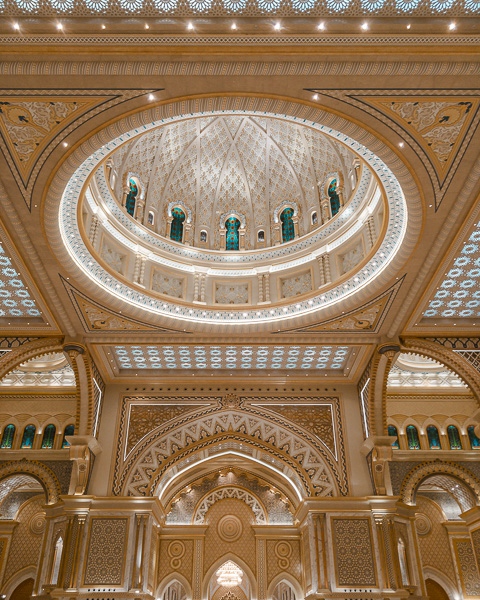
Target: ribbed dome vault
x=217, y=165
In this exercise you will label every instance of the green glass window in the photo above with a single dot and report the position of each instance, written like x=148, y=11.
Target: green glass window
x=334, y=197
x=288, y=229
x=474, y=440
x=28, y=436
x=48, y=436
x=412, y=438
x=131, y=198
x=454, y=438
x=7, y=437
x=392, y=431
x=433, y=438
x=69, y=430
x=232, y=225
x=176, y=228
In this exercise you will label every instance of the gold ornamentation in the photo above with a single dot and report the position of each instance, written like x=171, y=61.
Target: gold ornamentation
x=229, y=528
x=438, y=125
x=283, y=552
x=353, y=552
x=106, y=553
x=96, y=317
x=422, y=524
x=176, y=551
x=467, y=567
x=37, y=523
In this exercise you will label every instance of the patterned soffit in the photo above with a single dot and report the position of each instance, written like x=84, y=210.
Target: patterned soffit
x=411, y=370
x=20, y=304
x=155, y=360
x=456, y=299
x=47, y=371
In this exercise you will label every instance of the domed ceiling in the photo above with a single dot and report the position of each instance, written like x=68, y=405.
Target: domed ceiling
x=249, y=165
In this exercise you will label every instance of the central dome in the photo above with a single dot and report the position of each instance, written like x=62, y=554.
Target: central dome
x=190, y=180
x=147, y=219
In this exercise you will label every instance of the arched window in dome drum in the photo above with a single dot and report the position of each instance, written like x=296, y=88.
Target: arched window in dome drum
x=454, y=438
x=131, y=197
x=474, y=440
x=69, y=430
x=433, y=438
x=288, y=229
x=232, y=225
x=28, y=436
x=412, y=438
x=392, y=431
x=7, y=437
x=48, y=436
x=176, y=228
x=334, y=197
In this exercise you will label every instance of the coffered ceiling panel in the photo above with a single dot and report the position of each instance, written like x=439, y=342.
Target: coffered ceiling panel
x=156, y=360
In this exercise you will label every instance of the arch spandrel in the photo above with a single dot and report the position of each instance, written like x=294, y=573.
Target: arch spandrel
x=243, y=430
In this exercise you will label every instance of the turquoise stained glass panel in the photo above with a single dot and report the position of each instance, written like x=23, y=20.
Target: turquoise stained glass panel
x=232, y=225
x=334, y=197
x=7, y=437
x=131, y=198
x=176, y=228
x=28, y=436
x=288, y=229
x=48, y=436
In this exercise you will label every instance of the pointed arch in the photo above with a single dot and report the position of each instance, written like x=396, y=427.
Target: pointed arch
x=289, y=580
x=172, y=579
x=252, y=580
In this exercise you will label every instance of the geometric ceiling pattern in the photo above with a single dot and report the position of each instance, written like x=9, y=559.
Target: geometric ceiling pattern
x=458, y=295
x=233, y=357
x=190, y=8
x=15, y=299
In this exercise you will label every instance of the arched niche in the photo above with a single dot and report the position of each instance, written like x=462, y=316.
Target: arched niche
x=284, y=587
x=174, y=587
x=248, y=585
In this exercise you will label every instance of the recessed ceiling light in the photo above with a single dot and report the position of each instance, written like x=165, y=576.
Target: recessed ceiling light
x=365, y=26
x=321, y=26
x=315, y=96
x=277, y=26
x=452, y=26
x=147, y=26
x=401, y=144
x=190, y=26
x=234, y=26
x=59, y=26
x=151, y=97
x=65, y=144
x=408, y=26
x=16, y=26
